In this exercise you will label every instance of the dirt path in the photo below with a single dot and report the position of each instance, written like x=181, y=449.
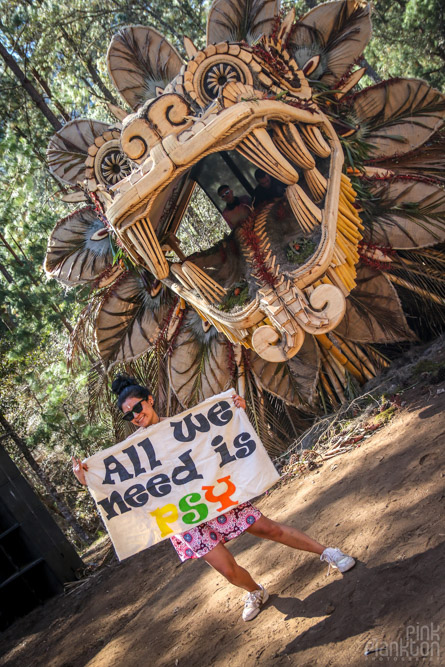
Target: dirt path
x=382, y=503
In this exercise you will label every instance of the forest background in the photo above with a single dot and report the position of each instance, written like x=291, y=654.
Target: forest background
x=52, y=70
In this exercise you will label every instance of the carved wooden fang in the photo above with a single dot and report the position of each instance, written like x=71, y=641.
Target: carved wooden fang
x=289, y=141
x=179, y=274
x=143, y=239
x=315, y=140
x=259, y=148
x=317, y=184
x=306, y=212
x=203, y=283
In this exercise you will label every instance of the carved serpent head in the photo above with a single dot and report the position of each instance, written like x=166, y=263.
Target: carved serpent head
x=276, y=92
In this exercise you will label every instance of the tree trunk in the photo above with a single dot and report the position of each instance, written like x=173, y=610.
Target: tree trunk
x=7, y=321
x=27, y=85
x=90, y=67
x=40, y=80
x=6, y=273
x=8, y=247
x=370, y=71
x=62, y=507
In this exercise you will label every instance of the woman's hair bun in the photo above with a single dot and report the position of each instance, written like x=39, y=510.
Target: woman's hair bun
x=121, y=382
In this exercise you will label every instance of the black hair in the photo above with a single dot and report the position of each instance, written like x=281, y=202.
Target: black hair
x=260, y=173
x=125, y=387
x=223, y=187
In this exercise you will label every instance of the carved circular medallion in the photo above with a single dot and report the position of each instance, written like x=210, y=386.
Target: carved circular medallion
x=110, y=164
x=205, y=81
x=217, y=76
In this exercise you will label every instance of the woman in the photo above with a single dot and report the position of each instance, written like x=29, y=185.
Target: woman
x=207, y=539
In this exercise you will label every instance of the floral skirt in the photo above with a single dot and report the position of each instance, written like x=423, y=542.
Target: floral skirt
x=198, y=541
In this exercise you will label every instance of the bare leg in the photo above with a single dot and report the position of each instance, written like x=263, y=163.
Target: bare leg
x=291, y=537
x=222, y=560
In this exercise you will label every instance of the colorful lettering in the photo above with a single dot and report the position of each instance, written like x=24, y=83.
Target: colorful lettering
x=164, y=516
x=223, y=498
x=198, y=513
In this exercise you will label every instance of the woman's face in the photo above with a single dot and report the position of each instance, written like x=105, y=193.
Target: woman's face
x=146, y=417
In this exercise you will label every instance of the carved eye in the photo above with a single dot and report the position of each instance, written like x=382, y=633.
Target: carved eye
x=311, y=65
x=110, y=164
x=100, y=234
x=105, y=163
x=213, y=68
x=218, y=76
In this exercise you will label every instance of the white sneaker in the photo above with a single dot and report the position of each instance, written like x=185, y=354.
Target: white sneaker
x=336, y=558
x=253, y=602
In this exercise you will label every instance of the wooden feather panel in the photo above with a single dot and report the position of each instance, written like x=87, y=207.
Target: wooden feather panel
x=139, y=60
x=294, y=381
x=373, y=311
x=68, y=149
x=336, y=31
x=398, y=115
x=129, y=320
x=198, y=366
x=427, y=160
x=240, y=20
x=412, y=215
x=73, y=256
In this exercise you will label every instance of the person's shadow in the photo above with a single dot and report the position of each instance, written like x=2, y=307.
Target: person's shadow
x=352, y=604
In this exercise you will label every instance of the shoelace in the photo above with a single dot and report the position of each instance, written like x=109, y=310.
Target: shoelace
x=326, y=559
x=253, y=596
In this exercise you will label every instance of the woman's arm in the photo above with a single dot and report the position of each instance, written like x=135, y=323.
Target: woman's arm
x=239, y=401
x=79, y=469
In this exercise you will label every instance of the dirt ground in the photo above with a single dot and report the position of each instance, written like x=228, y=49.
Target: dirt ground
x=383, y=503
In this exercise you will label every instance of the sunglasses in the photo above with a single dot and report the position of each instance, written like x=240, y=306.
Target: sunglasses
x=135, y=410
x=224, y=194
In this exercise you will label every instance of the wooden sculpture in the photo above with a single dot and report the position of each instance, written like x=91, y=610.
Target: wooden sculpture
x=318, y=271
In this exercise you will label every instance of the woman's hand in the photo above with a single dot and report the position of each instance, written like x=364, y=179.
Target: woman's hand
x=79, y=469
x=239, y=401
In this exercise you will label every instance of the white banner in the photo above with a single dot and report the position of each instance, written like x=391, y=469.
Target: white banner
x=187, y=469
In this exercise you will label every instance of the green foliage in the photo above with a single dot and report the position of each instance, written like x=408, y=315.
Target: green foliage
x=236, y=297
x=409, y=40
x=428, y=366
x=46, y=403
x=202, y=226
x=298, y=251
